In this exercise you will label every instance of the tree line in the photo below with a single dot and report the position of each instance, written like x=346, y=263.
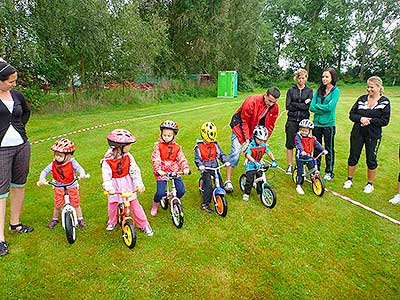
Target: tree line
x=100, y=41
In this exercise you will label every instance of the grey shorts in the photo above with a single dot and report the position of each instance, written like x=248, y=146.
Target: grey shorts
x=14, y=166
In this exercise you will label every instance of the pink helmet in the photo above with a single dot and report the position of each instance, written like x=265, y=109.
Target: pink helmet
x=168, y=124
x=63, y=146
x=120, y=137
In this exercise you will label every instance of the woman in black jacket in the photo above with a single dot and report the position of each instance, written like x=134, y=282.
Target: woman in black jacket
x=14, y=152
x=298, y=100
x=370, y=113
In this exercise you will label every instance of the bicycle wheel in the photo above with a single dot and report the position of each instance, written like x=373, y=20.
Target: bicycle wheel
x=294, y=175
x=201, y=186
x=129, y=235
x=177, y=214
x=268, y=196
x=70, y=229
x=220, y=204
x=318, y=186
x=120, y=211
x=242, y=182
x=164, y=203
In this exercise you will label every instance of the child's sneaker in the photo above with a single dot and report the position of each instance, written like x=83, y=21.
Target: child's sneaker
x=328, y=176
x=289, y=170
x=347, y=184
x=110, y=227
x=154, y=209
x=395, y=199
x=228, y=186
x=299, y=189
x=206, y=208
x=52, y=223
x=147, y=230
x=3, y=248
x=245, y=197
x=82, y=223
x=368, y=189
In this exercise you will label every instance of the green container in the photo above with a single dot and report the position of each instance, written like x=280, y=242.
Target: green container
x=227, y=84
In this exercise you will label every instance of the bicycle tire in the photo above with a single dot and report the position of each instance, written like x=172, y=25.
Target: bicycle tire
x=318, y=186
x=70, y=229
x=220, y=205
x=268, y=196
x=129, y=235
x=177, y=214
x=294, y=175
x=242, y=182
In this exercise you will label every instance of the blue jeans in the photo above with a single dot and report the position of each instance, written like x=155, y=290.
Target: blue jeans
x=162, y=189
x=236, y=149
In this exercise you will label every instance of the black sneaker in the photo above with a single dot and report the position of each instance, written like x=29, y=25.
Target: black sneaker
x=206, y=208
x=3, y=248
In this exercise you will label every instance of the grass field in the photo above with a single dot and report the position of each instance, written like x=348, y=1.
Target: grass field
x=305, y=248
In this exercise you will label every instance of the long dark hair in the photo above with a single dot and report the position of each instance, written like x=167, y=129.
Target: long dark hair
x=322, y=87
x=6, y=70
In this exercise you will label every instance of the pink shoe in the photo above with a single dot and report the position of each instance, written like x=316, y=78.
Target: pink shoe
x=154, y=209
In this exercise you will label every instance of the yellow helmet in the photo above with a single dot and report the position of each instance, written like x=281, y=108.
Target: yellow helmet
x=208, y=132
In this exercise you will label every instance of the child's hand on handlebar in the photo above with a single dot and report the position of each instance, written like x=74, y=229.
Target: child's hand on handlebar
x=325, y=152
x=274, y=164
x=186, y=171
x=141, y=190
x=161, y=173
x=111, y=192
x=41, y=182
x=202, y=168
x=304, y=153
x=258, y=165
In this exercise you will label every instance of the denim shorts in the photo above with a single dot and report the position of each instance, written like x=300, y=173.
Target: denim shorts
x=236, y=150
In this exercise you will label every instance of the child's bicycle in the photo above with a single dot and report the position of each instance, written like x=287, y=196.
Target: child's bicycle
x=262, y=186
x=174, y=201
x=218, y=195
x=125, y=219
x=69, y=219
x=317, y=182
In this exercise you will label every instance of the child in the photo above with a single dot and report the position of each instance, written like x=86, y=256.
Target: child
x=63, y=169
x=167, y=157
x=206, y=154
x=121, y=173
x=305, y=143
x=254, y=154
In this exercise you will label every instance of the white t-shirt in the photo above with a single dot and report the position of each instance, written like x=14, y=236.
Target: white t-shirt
x=12, y=137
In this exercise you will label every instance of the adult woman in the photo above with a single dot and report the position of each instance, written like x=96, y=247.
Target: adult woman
x=370, y=113
x=298, y=99
x=14, y=151
x=323, y=105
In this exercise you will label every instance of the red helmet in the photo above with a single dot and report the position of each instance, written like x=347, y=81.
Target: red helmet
x=120, y=137
x=63, y=146
x=168, y=124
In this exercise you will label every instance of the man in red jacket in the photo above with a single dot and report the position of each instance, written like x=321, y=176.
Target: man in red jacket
x=259, y=109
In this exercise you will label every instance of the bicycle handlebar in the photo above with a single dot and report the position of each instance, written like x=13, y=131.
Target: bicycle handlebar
x=215, y=169
x=62, y=185
x=125, y=194
x=171, y=175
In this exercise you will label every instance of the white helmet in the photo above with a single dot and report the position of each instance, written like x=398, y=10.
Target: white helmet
x=260, y=132
x=306, y=123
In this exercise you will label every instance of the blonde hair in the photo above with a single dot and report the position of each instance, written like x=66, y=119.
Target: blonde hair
x=300, y=72
x=379, y=83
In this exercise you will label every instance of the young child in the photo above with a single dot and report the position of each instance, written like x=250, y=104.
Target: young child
x=167, y=157
x=305, y=144
x=121, y=174
x=63, y=169
x=206, y=154
x=254, y=154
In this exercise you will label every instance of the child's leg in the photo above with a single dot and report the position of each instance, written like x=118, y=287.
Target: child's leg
x=161, y=190
x=56, y=213
x=138, y=214
x=249, y=181
x=207, y=187
x=112, y=213
x=180, y=187
x=75, y=201
x=260, y=183
x=300, y=170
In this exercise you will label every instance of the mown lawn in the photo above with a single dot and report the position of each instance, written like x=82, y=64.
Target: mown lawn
x=305, y=248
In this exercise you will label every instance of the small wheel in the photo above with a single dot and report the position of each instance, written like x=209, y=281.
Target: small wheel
x=129, y=235
x=164, y=203
x=201, y=186
x=177, y=214
x=70, y=230
x=220, y=204
x=242, y=182
x=268, y=196
x=294, y=175
x=318, y=186
x=120, y=211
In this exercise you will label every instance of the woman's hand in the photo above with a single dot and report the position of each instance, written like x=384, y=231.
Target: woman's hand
x=365, y=121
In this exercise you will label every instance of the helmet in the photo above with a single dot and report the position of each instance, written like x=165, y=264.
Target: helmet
x=260, y=132
x=306, y=123
x=168, y=124
x=208, y=132
x=63, y=146
x=120, y=137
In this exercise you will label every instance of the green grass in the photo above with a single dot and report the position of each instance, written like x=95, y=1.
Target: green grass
x=305, y=248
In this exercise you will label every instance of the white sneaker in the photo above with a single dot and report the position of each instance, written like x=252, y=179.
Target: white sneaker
x=299, y=189
x=328, y=177
x=110, y=227
x=395, y=199
x=147, y=230
x=347, y=184
x=289, y=170
x=368, y=189
x=228, y=186
x=245, y=197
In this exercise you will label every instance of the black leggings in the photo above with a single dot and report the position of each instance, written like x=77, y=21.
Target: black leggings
x=357, y=142
x=328, y=134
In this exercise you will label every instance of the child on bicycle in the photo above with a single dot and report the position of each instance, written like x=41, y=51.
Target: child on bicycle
x=121, y=174
x=206, y=154
x=168, y=157
x=64, y=169
x=305, y=144
x=254, y=154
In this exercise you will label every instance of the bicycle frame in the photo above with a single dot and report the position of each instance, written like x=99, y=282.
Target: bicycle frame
x=218, y=190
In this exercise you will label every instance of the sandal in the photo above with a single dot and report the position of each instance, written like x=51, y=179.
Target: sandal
x=20, y=228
